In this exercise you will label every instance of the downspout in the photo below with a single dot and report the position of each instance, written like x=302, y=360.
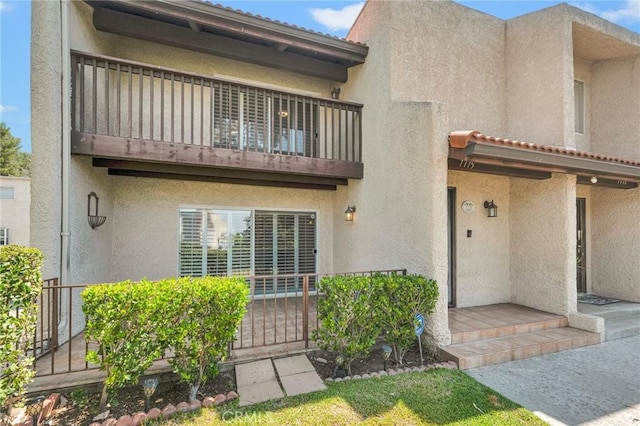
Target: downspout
x=66, y=144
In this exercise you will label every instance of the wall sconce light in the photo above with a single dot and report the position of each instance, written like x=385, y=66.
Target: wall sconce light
x=349, y=212
x=335, y=93
x=94, y=219
x=492, y=209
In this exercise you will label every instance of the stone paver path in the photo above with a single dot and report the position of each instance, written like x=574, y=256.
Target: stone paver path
x=257, y=381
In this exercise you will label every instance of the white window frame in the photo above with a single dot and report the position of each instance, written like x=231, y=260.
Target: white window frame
x=252, y=211
x=579, y=109
x=8, y=190
x=4, y=236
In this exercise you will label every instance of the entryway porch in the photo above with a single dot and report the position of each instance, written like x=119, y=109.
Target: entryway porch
x=492, y=334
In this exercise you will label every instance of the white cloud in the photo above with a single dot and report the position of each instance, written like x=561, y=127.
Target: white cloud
x=5, y=6
x=337, y=19
x=629, y=13
x=5, y=108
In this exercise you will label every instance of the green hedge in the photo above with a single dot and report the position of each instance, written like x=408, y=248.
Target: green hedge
x=355, y=310
x=20, y=286
x=136, y=323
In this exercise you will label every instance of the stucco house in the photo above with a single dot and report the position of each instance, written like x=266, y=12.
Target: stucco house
x=219, y=142
x=15, y=199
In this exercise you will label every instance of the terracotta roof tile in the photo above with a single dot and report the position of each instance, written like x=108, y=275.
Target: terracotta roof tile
x=461, y=138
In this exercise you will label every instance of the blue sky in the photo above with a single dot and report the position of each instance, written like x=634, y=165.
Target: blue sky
x=333, y=17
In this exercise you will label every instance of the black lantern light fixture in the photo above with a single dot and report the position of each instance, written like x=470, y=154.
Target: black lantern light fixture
x=94, y=219
x=492, y=209
x=349, y=213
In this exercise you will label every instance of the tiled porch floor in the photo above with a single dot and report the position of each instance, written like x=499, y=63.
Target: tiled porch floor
x=492, y=334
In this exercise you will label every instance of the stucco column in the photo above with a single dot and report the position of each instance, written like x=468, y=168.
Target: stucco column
x=46, y=134
x=543, y=243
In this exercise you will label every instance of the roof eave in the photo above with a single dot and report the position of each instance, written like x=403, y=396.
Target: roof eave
x=577, y=165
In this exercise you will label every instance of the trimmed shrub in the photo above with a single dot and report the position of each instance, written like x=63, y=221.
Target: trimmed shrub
x=135, y=323
x=20, y=286
x=349, y=324
x=400, y=299
x=122, y=319
x=205, y=314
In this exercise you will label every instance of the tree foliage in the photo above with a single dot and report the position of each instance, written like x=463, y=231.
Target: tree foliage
x=20, y=286
x=13, y=161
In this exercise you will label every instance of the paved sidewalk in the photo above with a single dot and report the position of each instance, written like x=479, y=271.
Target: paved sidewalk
x=594, y=385
x=258, y=381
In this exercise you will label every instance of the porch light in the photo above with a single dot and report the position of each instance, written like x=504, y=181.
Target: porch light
x=94, y=219
x=349, y=213
x=492, y=209
x=335, y=93
x=594, y=179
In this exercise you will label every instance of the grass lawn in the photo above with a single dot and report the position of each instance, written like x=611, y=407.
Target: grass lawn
x=431, y=397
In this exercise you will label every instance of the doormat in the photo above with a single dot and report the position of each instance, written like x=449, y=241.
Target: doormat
x=592, y=299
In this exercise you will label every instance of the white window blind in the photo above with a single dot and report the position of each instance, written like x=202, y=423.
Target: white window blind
x=578, y=89
x=222, y=242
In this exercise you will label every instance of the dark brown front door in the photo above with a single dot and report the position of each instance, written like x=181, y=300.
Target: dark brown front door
x=451, y=227
x=581, y=246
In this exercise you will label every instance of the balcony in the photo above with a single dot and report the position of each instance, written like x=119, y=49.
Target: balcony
x=143, y=120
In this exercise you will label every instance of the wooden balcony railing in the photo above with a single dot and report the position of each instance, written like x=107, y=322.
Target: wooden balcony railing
x=128, y=110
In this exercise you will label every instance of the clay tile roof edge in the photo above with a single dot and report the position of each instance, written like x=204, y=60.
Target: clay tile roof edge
x=462, y=138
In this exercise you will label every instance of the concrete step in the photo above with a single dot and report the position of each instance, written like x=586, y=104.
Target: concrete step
x=517, y=346
x=552, y=321
x=620, y=327
x=613, y=310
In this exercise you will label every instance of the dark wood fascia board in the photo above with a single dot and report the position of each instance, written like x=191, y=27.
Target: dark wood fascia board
x=468, y=166
x=182, y=37
x=244, y=24
x=194, y=155
x=218, y=179
x=512, y=161
x=610, y=183
x=573, y=165
x=178, y=169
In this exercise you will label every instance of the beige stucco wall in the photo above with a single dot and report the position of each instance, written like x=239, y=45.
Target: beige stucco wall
x=539, y=66
x=401, y=217
x=615, y=244
x=145, y=219
x=615, y=107
x=482, y=272
x=543, y=245
x=14, y=213
x=445, y=52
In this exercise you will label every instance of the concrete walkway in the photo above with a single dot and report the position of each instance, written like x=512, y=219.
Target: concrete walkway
x=267, y=379
x=594, y=385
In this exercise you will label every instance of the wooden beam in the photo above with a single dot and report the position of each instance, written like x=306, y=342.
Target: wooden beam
x=163, y=33
x=255, y=182
x=194, y=26
x=196, y=155
x=178, y=169
x=243, y=24
x=469, y=166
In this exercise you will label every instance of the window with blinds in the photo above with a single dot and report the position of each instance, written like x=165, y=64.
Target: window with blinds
x=260, y=121
x=578, y=97
x=4, y=236
x=234, y=242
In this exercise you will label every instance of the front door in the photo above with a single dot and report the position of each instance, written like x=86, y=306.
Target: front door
x=451, y=229
x=581, y=246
